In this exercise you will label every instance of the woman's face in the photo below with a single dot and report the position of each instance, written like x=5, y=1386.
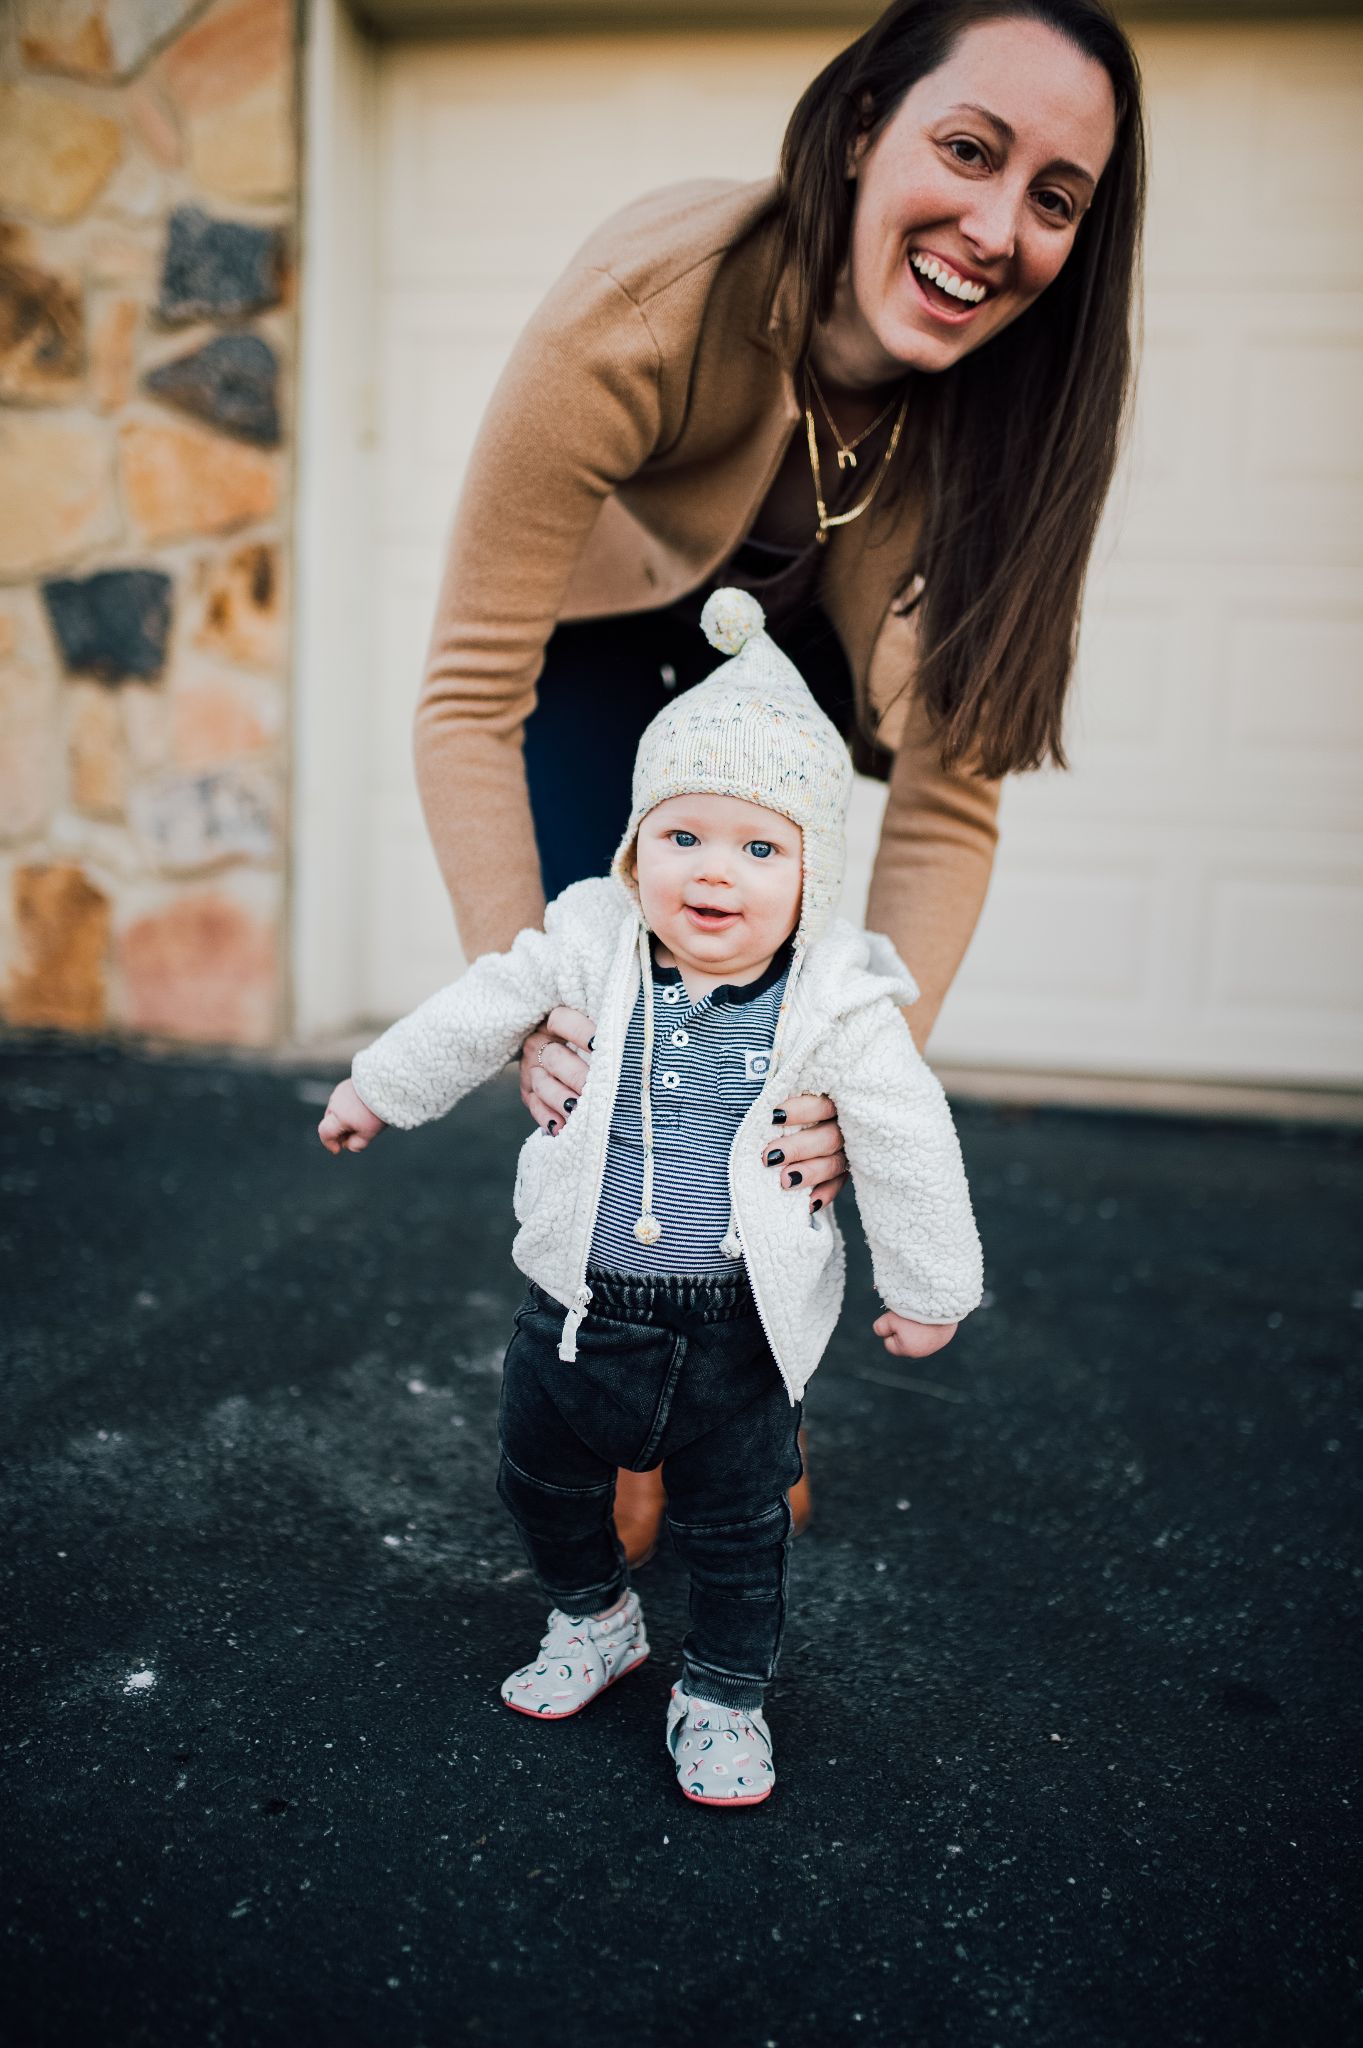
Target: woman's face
x=981, y=177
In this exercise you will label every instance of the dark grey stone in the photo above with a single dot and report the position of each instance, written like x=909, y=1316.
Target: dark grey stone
x=218, y=269
x=113, y=625
x=230, y=382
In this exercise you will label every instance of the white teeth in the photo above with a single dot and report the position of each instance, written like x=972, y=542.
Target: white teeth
x=946, y=280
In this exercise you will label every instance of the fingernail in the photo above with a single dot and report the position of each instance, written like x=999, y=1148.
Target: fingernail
x=817, y=1203
x=775, y=1158
x=570, y=1103
x=778, y=1116
x=553, y=1125
x=591, y=1045
x=796, y=1178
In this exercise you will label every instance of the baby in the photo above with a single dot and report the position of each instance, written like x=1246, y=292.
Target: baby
x=679, y=1298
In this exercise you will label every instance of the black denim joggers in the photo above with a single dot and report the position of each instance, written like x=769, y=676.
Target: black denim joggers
x=672, y=1369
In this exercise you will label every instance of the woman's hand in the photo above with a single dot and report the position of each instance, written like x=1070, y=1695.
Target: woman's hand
x=805, y=1145
x=555, y=1065
x=905, y=1338
x=349, y=1124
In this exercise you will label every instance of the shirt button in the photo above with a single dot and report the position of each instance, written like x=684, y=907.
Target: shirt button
x=672, y=995
x=669, y=1079
x=680, y=1037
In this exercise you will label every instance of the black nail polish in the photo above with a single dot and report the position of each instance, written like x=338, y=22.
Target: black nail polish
x=817, y=1203
x=553, y=1125
x=591, y=1045
x=796, y=1178
x=570, y=1103
x=775, y=1158
x=778, y=1116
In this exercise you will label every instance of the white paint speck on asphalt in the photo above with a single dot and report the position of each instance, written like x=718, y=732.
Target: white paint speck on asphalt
x=139, y=1681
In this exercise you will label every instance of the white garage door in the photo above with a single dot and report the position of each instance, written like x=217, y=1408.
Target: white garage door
x=1188, y=900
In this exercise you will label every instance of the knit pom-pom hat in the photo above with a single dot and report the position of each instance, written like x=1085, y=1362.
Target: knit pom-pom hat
x=751, y=730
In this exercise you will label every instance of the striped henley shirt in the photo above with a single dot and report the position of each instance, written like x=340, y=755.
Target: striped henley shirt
x=710, y=1059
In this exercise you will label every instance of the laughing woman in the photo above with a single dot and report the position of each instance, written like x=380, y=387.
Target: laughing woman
x=883, y=391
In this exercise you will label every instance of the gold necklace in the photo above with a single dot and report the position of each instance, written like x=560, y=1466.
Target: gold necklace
x=846, y=457
x=845, y=518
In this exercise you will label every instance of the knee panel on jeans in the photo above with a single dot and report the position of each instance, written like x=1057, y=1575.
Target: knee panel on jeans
x=743, y=1558
x=557, y=1513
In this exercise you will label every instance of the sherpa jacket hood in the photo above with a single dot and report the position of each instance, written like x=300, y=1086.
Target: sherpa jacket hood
x=845, y=1037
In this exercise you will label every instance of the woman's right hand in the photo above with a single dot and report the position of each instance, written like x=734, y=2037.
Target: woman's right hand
x=555, y=1063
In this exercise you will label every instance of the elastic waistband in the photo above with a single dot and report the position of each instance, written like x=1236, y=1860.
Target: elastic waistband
x=702, y=1297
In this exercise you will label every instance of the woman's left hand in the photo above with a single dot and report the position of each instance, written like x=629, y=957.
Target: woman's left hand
x=805, y=1147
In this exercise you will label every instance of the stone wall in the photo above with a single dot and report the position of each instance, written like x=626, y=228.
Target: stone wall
x=147, y=211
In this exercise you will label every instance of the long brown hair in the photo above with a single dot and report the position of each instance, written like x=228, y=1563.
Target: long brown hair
x=1012, y=449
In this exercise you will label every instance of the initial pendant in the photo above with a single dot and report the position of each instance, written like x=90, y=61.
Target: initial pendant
x=846, y=459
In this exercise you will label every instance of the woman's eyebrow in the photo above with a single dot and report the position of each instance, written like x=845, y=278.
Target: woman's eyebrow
x=1009, y=134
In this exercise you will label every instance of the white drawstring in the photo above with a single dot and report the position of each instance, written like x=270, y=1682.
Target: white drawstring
x=648, y=1229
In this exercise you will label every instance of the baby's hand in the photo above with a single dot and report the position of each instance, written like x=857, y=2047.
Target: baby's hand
x=349, y=1124
x=905, y=1338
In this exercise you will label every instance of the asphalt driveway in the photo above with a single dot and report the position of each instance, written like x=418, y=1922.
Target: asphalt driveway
x=1067, y=1728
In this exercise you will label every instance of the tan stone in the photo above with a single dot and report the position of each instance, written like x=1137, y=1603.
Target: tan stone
x=179, y=481
x=111, y=353
x=137, y=192
x=42, y=340
x=147, y=722
x=243, y=614
x=62, y=927
x=232, y=78
x=203, y=969
x=155, y=126
x=115, y=256
x=246, y=151
x=216, y=720
x=54, y=154
x=237, y=47
x=55, y=490
x=96, y=38
x=97, y=751
x=27, y=745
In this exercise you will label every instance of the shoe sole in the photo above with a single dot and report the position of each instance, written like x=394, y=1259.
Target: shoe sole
x=698, y=1799
x=538, y=1714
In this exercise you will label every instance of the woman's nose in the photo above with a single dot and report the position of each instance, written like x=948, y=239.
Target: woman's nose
x=990, y=223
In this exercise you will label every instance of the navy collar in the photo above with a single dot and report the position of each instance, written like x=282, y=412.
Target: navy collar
x=730, y=992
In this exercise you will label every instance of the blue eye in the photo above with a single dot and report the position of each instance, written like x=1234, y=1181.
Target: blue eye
x=760, y=848
x=686, y=838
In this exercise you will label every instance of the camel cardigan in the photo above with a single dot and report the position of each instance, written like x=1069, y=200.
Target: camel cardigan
x=624, y=454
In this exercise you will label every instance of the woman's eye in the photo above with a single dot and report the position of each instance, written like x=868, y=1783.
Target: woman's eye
x=967, y=152
x=1056, y=204
x=686, y=838
x=760, y=848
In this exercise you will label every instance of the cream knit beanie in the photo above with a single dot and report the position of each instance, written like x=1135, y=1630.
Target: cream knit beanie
x=751, y=730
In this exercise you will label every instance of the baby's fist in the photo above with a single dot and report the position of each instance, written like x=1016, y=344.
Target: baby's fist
x=349, y=1123
x=905, y=1338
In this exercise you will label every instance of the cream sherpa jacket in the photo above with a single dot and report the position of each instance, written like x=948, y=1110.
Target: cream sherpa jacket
x=845, y=1038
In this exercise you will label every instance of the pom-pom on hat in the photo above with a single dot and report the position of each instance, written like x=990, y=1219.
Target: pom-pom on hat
x=751, y=730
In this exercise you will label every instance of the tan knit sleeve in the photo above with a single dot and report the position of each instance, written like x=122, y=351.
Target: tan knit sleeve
x=932, y=867
x=575, y=412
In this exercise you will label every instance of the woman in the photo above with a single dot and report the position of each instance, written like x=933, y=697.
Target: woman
x=884, y=391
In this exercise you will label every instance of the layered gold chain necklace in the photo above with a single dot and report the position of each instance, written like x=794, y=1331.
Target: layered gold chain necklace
x=847, y=454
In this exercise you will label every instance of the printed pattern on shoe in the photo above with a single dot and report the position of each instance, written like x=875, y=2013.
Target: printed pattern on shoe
x=722, y=1754
x=578, y=1658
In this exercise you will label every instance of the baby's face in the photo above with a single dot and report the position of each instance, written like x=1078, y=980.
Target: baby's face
x=720, y=881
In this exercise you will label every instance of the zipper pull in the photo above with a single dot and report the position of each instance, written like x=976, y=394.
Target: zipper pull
x=572, y=1322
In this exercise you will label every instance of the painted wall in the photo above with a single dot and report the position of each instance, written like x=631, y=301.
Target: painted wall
x=147, y=203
